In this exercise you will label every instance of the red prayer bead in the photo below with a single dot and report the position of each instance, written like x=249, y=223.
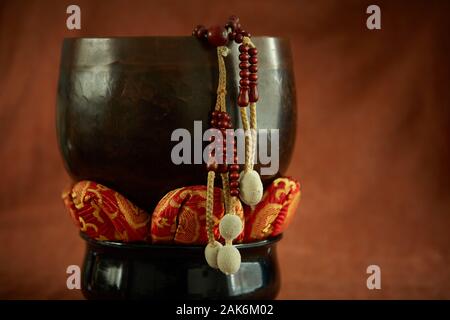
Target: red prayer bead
x=253, y=60
x=234, y=184
x=243, y=98
x=253, y=51
x=244, y=74
x=234, y=192
x=223, y=168
x=243, y=48
x=201, y=33
x=217, y=36
x=231, y=25
x=253, y=95
x=253, y=68
x=253, y=77
x=244, y=82
x=244, y=65
x=234, y=167
x=244, y=57
x=222, y=124
x=239, y=37
x=245, y=33
x=234, y=176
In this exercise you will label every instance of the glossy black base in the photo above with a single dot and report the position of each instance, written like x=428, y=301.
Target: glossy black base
x=114, y=270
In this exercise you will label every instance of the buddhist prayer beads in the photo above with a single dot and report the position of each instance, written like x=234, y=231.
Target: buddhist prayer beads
x=246, y=185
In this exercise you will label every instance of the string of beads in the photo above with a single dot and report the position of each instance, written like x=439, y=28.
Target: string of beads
x=246, y=185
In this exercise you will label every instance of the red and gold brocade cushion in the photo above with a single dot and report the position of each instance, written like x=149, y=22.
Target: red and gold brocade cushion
x=104, y=214
x=179, y=217
x=274, y=212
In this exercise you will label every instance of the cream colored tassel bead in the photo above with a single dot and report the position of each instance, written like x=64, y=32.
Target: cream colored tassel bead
x=230, y=226
x=251, y=187
x=229, y=259
x=211, y=252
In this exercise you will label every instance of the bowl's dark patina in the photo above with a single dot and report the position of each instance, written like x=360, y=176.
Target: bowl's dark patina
x=141, y=271
x=119, y=100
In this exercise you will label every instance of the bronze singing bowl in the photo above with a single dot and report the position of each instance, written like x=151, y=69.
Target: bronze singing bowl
x=120, y=99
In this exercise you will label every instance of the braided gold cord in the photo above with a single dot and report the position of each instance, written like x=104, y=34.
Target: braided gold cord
x=253, y=127
x=210, y=206
x=222, y=86
x=226, y=191
x=246, y=41
x=248, y=138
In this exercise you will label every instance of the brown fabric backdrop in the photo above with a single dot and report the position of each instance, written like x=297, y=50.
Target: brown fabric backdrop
x=372, y=150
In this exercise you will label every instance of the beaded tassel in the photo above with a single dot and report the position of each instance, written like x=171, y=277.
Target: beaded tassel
x=227, y=258
x=247, y=186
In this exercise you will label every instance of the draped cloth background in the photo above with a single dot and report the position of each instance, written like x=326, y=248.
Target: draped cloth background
x=372, y=150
